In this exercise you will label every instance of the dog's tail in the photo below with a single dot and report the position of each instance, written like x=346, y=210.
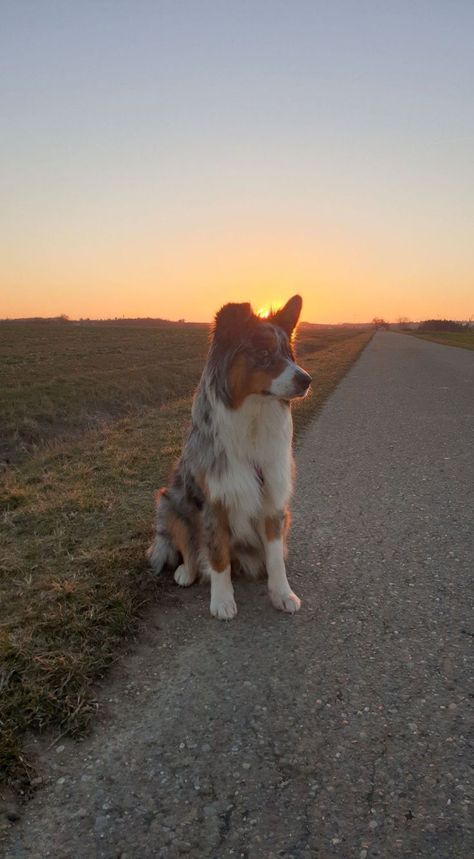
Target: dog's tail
x=162, y=552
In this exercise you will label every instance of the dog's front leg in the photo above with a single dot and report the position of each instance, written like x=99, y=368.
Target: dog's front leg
x=218, y=553
x=223, y=604
x=279, y=589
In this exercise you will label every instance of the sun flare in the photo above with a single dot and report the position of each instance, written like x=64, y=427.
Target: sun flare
x=267, y=309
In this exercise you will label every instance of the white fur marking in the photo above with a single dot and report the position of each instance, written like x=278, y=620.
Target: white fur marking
x=256, y=434
x=183, y=577
x=284, y=384
x=222, y=595
x=281, y=594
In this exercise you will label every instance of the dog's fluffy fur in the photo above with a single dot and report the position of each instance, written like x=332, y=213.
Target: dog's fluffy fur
x=227, y=504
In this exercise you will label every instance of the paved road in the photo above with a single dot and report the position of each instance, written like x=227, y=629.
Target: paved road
x=342, y=731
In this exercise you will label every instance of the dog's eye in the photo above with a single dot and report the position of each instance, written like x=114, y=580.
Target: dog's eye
x=263, y=356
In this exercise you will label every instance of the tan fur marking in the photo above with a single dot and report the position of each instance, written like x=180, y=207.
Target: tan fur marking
x=277, y=526
x=219, y=540
x=179, y=533
x=245, y=380
x=273, y=527
x=180, y=537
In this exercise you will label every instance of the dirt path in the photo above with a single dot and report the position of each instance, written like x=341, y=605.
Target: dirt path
x=342, y=731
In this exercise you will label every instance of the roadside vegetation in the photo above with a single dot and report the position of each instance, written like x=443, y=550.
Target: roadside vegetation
x=92, y=418
x=463, y=339
x=450, y=332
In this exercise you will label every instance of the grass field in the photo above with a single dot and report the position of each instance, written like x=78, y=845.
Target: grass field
x=60, y=379
x=91, y=419
x=463, y=339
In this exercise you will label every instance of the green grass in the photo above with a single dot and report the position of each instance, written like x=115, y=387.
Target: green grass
x=110, y=407
x=463, y=339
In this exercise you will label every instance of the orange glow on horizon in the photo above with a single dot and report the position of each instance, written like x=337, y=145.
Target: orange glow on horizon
x=342, y=278
x=196, y=174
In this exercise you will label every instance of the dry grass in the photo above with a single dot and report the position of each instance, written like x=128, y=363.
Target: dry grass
x=76, y=512
x=60, y=379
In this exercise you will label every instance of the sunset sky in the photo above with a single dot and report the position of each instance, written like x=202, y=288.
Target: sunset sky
x=161, y=158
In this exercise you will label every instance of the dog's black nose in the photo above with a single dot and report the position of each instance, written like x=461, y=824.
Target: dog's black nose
x=303, y=379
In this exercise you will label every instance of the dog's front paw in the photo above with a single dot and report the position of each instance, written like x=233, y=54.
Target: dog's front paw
x=224, y=607
x=287, y=601
x=183, y=577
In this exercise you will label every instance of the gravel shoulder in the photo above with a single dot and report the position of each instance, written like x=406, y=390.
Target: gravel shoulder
x=341, y=731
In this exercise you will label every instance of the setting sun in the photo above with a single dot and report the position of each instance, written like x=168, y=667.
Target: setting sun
x=267, y=309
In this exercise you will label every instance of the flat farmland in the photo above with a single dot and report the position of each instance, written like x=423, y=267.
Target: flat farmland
x=58, y=379
x=91, y=419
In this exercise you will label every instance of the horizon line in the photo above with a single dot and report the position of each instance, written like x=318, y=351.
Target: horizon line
x=65, y=319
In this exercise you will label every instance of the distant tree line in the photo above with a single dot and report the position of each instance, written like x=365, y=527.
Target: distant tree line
x=142, y=322
x=148, y=322
x=59, y=319
x=404, y=324
x=443, y=325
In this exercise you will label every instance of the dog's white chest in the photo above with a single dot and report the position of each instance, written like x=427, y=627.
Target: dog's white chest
x=257, y=442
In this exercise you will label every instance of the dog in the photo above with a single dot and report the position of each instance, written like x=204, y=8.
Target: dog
x=226, y=508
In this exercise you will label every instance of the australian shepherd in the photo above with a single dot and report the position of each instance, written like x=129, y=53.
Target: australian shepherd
x=226, y=508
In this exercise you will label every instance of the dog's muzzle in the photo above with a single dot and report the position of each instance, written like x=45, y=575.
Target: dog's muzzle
x=302, y=380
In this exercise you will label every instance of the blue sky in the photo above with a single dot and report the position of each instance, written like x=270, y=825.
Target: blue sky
x=158, y=158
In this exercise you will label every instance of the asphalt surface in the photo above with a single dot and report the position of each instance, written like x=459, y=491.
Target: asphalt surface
x=340, y=731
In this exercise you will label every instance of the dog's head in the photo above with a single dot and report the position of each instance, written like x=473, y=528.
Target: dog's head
x=255, y=356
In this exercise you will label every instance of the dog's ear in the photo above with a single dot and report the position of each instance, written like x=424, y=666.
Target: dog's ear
x=287, y=317
x=231, y=319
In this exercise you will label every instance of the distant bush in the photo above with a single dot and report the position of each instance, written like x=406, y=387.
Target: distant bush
x=442, y=325
x=377, y=322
